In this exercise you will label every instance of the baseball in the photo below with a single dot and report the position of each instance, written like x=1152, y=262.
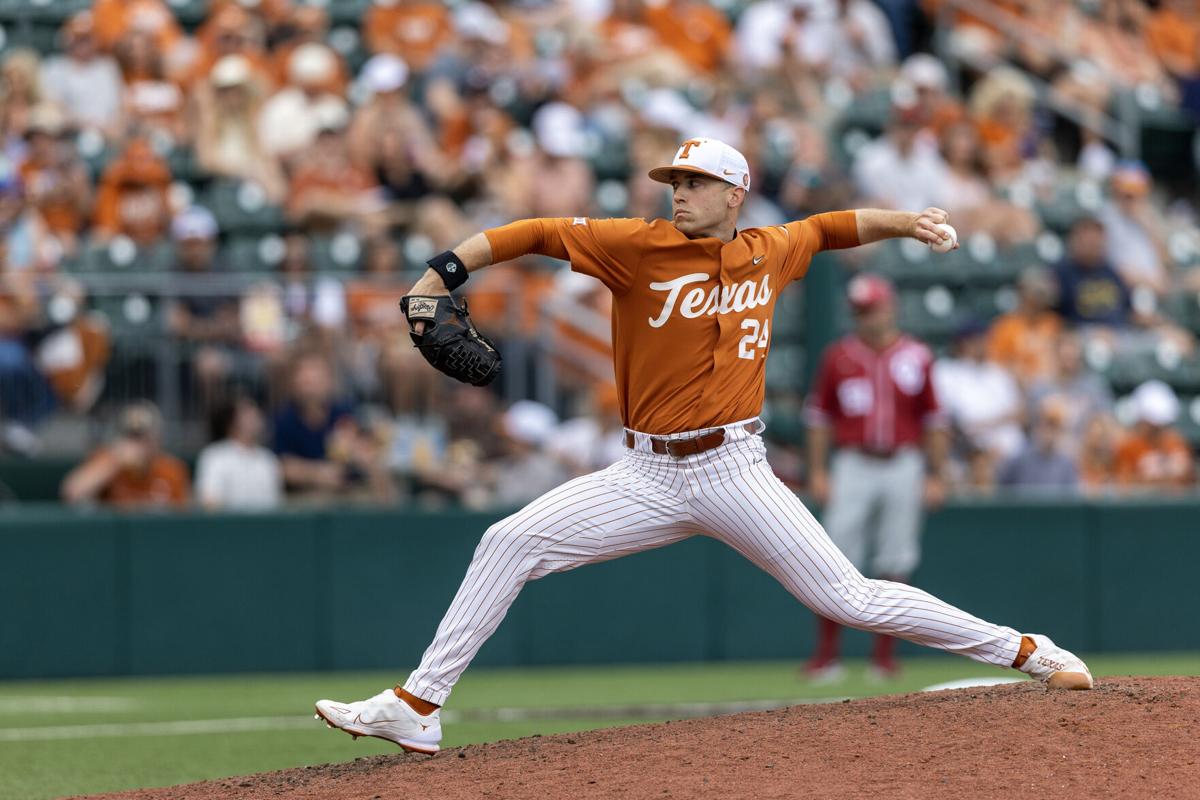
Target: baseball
x=946, y=245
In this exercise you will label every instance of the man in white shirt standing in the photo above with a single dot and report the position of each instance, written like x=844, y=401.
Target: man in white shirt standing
x=236, y=472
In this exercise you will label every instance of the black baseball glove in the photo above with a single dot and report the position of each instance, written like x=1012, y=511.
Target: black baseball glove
x=450, y=341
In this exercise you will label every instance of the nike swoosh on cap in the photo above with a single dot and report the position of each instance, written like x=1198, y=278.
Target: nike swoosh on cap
x=727, y=172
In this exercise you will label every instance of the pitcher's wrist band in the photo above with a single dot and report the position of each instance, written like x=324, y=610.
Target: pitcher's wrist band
x=451, y=269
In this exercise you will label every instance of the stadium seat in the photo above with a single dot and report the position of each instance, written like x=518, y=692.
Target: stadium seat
x=1125, y=372
x=1189, y=420
x=910, y=264
x=1184, y=309
x=932, y=314
x=55, y=12
x=135, y=319
x=985, y=303
x=253, y=253
x=610, y=159
x=1128, y=370
x=347, y=12
x=94, y=152
x=1070, y=201
x=242, y=207
x=123, y=256
x=348, y=42
x=190, y=13
x=184, y=166
x=338, y=254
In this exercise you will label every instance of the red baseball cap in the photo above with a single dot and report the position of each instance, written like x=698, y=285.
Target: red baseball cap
x=866, y=292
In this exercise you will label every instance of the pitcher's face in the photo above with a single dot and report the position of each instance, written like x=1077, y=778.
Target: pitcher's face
x=701, y=205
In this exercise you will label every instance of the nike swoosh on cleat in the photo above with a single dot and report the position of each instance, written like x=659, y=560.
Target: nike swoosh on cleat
x=360, y=721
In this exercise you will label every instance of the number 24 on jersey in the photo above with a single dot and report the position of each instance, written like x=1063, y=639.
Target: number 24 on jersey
x=753, y=341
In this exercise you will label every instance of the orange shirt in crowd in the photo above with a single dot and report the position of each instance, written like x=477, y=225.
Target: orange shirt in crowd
x=374, y=307
x=697, y=32
x=945, y=114
x=1025, y=346
x=1141, y=461
x=1175, y=40
x=1015, y=9
x=691, y=318
x=345, y=180
x=132, y=198
x=73, y=359
x=231, y=20
x=165, y=483
x=414, y=31
x=115, y=18
x=61, y=215
x=510, y=296
x=273, y=12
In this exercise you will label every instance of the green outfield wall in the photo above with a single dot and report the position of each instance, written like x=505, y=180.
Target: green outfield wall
x=105, y=594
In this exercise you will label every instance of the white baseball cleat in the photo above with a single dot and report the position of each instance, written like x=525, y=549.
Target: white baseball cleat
x=1056, y=667
x=384, y=716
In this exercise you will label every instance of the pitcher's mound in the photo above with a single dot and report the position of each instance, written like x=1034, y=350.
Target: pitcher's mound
x=1128, y=737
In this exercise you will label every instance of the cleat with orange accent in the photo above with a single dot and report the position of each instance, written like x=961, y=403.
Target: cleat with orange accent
x=1056, y=667
x=384, y=716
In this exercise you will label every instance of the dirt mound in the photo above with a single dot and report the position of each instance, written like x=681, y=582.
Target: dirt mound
x=1127, y=737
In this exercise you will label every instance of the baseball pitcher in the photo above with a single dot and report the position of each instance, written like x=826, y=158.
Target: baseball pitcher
x=691, y=321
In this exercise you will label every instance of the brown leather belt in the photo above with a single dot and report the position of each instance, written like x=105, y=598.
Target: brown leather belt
x=681, y=448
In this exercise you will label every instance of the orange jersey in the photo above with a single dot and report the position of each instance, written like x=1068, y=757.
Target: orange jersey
x=163, y=483
x=1025, y=346
x=1165, y=462
x=691, y=318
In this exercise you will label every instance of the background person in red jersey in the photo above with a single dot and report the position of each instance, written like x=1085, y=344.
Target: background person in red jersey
x=873, y=402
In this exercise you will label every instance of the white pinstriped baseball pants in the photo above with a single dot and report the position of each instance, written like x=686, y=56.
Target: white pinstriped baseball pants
x=647, y=500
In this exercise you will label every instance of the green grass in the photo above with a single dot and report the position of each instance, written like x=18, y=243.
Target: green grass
x=32, y=770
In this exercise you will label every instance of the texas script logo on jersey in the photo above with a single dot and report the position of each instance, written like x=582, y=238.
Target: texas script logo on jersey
x=721, y=299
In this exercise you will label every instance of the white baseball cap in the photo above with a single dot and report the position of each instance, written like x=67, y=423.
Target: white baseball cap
x=1155, y=402
x=924, y=71
x=231, y=70
x=311, y=63
x=384, y=73
x=195, y=222
x=707, y=157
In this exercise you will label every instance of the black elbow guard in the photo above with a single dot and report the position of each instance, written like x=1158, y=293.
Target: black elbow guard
x=450, y=268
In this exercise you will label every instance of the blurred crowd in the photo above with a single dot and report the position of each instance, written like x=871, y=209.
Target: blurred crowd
x=400, y=133
x=1027, y=414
